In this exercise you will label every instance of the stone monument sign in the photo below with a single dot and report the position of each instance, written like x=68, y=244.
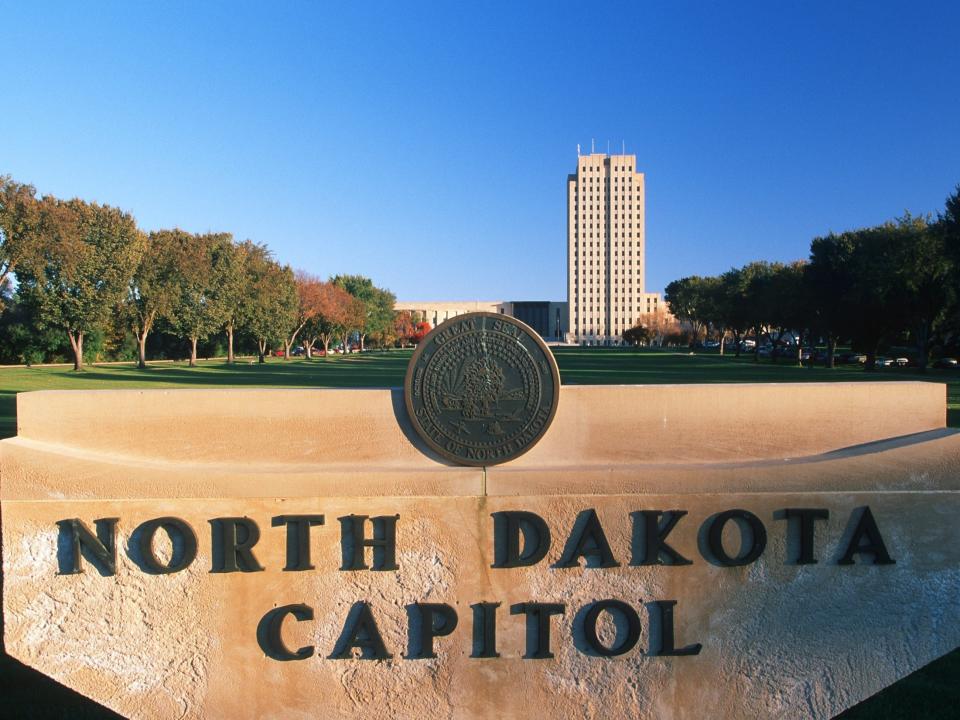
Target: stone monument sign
x=485, y=544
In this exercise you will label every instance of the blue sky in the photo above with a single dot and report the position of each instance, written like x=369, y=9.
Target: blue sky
x=427, y=146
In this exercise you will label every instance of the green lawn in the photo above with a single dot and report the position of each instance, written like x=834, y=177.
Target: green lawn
x=933, y=692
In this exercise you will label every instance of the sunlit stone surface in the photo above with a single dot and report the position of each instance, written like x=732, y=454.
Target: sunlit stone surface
x=778, y=636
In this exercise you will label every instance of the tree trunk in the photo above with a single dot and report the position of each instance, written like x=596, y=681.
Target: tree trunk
x=756, y=343
x=141, y=334
x=262, y=348
x=871, y=360
x=76, y=343
x=193, y=352
x=293, y=338
x=230, y=343
x=346, y=346
x=363, y=337
x=723, y=338
x=326, y=346
x=831, y=351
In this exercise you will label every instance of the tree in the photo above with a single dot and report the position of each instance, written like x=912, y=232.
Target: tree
x=659, y=324
x=688, y=302
x=19, y=227
x=403, y=326
x=420, y=331
x=197, y=310
x=713, y=307
x=154, y=287
x=948, y=227
x=877, y=317
x=636, y=335
x=331, y=320
x=309, y=304
x=231, y=292
x=378, y=304
x=925, y=285
x=756, y=279
x=829, y=280
x=386, y=338
x=270, y=299
x=336, y=311
x=81, y=268
x=732, y=306
x=786, y=304
x=23, y=339
x=354, y=314
x=949, y=221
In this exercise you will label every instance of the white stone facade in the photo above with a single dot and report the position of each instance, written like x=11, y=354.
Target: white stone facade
x=605, y=248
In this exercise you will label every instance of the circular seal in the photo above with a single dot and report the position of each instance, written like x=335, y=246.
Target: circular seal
x=482, y=388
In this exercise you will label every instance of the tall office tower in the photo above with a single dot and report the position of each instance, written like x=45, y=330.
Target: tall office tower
x=605, y=248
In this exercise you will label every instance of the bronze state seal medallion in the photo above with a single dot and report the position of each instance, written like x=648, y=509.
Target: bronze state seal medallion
x=482, y=388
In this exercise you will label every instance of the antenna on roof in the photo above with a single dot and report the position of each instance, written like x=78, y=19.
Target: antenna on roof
x=608, y=146
x=623, y=143
x=578, y=149
x=592, y=150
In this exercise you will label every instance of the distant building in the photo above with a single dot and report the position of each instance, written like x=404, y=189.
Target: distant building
x=605, y=249
x=652, y=302
x=435, y=312
x=548, y=318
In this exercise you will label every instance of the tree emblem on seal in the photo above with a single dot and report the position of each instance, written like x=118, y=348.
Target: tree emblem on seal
x=481, y=388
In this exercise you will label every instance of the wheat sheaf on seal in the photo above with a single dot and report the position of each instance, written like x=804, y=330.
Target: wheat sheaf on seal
x=481, y=388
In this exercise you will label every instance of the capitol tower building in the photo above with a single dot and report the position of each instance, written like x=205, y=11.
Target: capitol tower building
x=605, y=249
x=606, y=262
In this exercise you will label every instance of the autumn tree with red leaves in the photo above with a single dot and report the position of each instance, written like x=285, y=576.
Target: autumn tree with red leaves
x=334, y=315
x=404, y=327
x=420, y=330
x=309, y=304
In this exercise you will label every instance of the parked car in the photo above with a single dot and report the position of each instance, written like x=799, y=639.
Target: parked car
x=850, y=358
x=946, y=363
x=881, y=361
x=901, y=361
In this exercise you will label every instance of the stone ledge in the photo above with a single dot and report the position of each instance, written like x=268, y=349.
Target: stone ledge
x=595, y=425
x=40, y=471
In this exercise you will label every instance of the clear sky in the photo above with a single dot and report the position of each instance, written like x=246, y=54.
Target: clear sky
x=427, y=146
